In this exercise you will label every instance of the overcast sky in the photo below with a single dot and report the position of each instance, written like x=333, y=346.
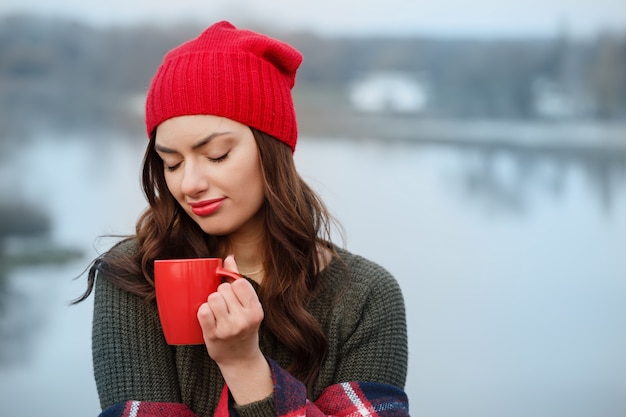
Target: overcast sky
x=437, y=17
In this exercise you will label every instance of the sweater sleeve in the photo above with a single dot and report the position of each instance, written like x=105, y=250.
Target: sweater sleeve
x=371, y=329
x=128, y=362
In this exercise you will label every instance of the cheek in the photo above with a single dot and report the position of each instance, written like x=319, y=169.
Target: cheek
x=254, y=180
x=250, y=186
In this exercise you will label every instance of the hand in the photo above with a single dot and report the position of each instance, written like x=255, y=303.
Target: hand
x=230, y=321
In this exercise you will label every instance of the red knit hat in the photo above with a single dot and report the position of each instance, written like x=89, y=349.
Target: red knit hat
x=228, y=72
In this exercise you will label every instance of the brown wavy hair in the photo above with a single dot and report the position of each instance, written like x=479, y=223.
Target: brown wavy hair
x=297, y=224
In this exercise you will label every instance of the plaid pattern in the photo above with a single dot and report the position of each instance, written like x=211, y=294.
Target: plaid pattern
x=147, y=409
x=348, y=399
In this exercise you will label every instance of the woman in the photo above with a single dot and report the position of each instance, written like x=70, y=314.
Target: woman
x=313, y=329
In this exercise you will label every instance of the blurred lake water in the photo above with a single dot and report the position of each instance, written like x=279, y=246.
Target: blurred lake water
x=511, y=263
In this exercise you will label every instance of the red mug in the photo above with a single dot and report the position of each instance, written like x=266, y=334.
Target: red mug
x=182, y=286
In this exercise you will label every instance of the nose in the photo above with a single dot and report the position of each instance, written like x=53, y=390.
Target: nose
x=194, y=180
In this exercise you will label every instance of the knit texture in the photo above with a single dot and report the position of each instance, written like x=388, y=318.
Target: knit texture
x=238, y=74
x=361, y=312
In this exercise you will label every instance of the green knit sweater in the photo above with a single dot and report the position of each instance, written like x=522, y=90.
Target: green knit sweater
x=360, y=309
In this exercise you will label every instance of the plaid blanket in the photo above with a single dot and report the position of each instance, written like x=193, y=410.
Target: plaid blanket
x=349, y=399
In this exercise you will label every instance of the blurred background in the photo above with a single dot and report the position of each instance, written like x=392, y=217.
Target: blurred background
x=477, y=150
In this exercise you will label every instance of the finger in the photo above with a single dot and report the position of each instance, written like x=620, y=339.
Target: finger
x=249, y=301
x=229, y=263
x=245, y=293
x=231, y=301
x=218, y=305
x=206, y=318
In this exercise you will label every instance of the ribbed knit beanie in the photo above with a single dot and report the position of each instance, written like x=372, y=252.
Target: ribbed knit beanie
x=234, y=73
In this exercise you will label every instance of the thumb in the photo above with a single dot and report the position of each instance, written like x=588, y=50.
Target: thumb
x=230, y=264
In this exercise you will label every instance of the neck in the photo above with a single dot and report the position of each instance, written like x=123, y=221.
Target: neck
x=249, y=253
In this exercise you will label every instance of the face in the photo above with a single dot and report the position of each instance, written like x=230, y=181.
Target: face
x=212, y=169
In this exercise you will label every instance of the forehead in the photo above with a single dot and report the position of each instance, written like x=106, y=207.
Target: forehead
x=195, y=126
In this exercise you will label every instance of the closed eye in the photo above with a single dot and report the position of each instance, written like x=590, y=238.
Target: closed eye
x=219, y=158
x=172, y=168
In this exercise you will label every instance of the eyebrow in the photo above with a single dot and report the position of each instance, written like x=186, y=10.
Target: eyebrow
x=195, y=146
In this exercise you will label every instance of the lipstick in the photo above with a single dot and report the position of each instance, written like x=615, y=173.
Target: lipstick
x=207, y=207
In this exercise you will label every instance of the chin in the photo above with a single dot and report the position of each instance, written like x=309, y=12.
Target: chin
x=214, y=231
x=214, y=228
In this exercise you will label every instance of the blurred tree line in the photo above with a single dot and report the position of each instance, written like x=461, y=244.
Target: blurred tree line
x=61, y=73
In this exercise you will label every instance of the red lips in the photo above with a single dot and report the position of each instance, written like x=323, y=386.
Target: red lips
x=207, y=207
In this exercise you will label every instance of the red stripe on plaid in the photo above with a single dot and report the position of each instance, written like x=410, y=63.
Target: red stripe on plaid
x=155, y=409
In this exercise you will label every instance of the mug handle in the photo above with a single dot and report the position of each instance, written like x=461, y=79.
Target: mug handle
x=227, y=274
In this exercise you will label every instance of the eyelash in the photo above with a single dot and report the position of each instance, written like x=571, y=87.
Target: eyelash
x=214, y=160
x=172, y=168
x=219, y=159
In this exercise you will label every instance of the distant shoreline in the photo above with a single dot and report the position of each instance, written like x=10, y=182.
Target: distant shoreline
x=546, y=135
x=595, y=137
